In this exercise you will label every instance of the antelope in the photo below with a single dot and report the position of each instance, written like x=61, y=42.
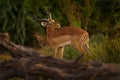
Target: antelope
x=58, y=37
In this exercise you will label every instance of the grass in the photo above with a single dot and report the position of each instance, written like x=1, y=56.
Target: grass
x=5, y=57
x=70, y=53
x=112, y=48
x=107, y=51
x=104, y=49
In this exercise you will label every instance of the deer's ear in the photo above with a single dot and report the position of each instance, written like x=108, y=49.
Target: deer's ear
x=44, y=24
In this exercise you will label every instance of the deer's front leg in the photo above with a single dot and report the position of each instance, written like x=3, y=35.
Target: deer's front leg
x=61, y=51
x=54, y=51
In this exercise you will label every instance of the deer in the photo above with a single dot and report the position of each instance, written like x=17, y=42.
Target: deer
x=59, y=37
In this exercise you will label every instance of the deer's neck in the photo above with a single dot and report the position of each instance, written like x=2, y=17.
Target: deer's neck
x=49, y=32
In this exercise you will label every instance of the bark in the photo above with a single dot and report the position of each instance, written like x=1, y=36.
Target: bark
x=29, y=65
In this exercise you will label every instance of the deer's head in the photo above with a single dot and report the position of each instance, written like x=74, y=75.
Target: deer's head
x=45, y=22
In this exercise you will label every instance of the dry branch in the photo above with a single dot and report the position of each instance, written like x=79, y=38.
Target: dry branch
x=29, y=64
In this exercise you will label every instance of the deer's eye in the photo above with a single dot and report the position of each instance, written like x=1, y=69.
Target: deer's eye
x=44, y=24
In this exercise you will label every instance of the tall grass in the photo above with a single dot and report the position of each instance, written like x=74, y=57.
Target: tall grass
x=105, y=49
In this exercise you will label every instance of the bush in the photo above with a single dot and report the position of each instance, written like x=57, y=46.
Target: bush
x=108, y=50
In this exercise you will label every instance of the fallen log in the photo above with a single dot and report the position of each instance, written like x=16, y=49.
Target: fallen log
x=16, y=50
x=29, y=65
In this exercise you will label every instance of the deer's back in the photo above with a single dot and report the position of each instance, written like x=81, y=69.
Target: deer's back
x=66, y=31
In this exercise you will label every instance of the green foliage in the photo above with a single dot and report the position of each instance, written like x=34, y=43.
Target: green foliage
x=105, y=15
x=106, y=51
x=17, y=16
x=113, y=50
x=70, y=53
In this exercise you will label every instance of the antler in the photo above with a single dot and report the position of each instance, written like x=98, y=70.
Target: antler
x=44, y=21
x=50, y=16
x=41, y=20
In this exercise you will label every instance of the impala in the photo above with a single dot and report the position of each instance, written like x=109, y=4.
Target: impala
x=58, y=37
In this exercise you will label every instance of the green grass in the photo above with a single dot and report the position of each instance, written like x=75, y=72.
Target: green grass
x=112, y=48
x=70, y=53
x=107, y=51
x=104, y=49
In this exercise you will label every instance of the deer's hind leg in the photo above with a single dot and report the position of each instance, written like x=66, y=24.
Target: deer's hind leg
x=77, y=44
x=85, y=45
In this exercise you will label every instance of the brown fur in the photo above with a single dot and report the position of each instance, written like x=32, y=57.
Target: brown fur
x=58, y=38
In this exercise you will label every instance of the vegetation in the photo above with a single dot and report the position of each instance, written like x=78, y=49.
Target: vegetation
x=101, y=18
